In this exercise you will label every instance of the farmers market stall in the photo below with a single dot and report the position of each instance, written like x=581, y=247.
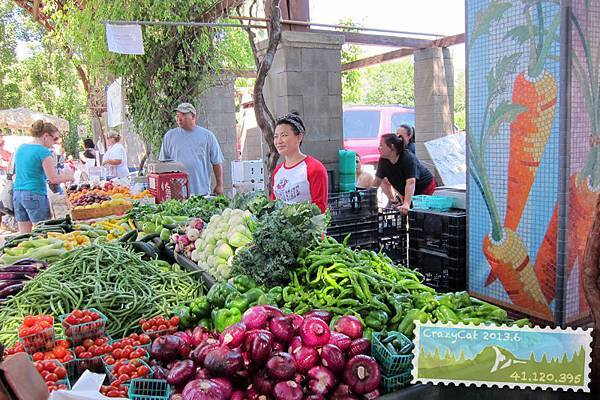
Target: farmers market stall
x=259, y=302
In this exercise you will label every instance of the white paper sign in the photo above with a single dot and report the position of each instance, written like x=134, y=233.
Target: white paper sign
x=125, y=39
x=448, y=155
x=114, y=102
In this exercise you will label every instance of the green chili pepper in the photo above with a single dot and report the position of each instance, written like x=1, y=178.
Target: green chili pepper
x=426, y=301
x=225, y=317
x=407, y=326
x=445, y=314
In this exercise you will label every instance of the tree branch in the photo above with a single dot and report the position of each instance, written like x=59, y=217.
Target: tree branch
x=591, y=286
x=264, y=118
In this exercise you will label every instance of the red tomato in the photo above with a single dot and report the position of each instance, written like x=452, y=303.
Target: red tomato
x=134, y=336
x=50, y=366
x=49, y=356
x=86, y=354
x=86, y=319
x=61, y=372
x=79, y=350
x=113, y=393
x=63, y=343
x=161, y=327
x=37, y=356
x=142, y=321
x=97, y=351
x=92, y=348
x=143, y=370
x=29, y=320
x=145, y=327
x=68, y=357
x=77, y=314
x=109, y=360
x=94, y=316
x=145, y=339
x=59, y=352
x=51, y=377
x=99, y=342
x=117, y=353
x=87, y=343
x=38, y=366
x=174, y=321
x=124, y=377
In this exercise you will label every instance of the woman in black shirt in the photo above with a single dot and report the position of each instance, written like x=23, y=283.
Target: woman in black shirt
x=407, y=133
x=403, y=170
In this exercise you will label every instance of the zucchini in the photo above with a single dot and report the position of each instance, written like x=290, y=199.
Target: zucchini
x=128, y=236
x=147, y=249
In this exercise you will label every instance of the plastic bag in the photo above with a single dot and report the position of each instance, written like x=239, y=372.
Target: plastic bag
x=86, y=388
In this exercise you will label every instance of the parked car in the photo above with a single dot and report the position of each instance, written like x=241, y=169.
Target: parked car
x=364, y=125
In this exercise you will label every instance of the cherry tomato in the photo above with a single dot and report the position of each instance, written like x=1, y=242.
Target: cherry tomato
x=146, y=326
x=143, y=370
x=68, y=357
x=117, y=353
x=59, y=352
x=51, y=377
x=77, y=314
x=145, y=339
x=63, y=343
x=174, y=321
x=87, y=343
x=86, y=319
x=124, y=377
x=37, y=356
x=86, y=354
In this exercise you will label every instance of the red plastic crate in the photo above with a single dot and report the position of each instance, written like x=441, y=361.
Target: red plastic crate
x=167, y=186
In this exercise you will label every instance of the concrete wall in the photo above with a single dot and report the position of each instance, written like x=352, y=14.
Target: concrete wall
x=306, y=77
x=434, y=98
x=216, y=112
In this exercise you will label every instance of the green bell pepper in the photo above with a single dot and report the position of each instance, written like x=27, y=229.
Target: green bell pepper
x=201, y=308
x=376, y=319
x=276, y=295
x=445, y=314
x=238, y=301
x=206, y=323
x=402, y=304
x=223, y=318
x=253, y=295
x=218, y=293
x=407, y=326
x=243, y=283
x=264, y=299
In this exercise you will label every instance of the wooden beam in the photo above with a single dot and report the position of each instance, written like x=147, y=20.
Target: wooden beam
x=396, y=54
x=36, y=9
x=378, y=59
x=378, y=40
x=220, y=9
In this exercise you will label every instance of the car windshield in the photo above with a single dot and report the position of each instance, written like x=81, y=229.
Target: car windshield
x=361, y=124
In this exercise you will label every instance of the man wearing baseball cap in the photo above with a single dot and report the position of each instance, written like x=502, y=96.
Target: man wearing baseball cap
x=196, y=148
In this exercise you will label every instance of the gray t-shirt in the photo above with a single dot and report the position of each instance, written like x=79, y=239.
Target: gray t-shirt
x=198, y=150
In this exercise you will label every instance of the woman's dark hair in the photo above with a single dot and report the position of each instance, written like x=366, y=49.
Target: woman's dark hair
x=411, y=132
x=292, y=119
x=392, y=140
x=88, y=144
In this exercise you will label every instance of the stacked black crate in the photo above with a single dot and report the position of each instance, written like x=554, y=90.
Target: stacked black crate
x=354, y=214
x=437, y=247
x=393, y=235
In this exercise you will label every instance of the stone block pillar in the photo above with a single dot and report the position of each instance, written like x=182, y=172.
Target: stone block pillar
x=306, y=77
x=216, y=112
x=434, y=98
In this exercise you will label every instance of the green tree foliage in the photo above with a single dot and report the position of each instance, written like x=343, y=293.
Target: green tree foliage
x=351, y=80
x=179, y=62
x=391, y=83
x=9, y=90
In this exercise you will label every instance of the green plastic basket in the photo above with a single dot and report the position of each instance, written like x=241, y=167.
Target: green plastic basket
x=89, y=330
x=391, y=364
x=149, y=389
x=425, y=202
x=391, y=384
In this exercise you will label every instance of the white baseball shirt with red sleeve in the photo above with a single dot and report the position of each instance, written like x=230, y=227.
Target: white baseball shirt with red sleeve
x=304, y=181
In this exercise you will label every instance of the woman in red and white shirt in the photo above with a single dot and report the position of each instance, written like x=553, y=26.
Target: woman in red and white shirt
x=300, y=177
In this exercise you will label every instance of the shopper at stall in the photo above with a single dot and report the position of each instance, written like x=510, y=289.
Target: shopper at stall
x=196, y=148
x=5, y=156
x=299, y=177
x=403, y=170
x=407, y=133
x=90, y=156
x=33, y=166
x=364, y=179
x=115, y=158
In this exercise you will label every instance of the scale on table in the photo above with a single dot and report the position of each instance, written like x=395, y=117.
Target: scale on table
x=165, y=166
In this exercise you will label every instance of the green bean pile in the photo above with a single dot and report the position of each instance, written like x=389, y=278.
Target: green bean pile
x=115, y=281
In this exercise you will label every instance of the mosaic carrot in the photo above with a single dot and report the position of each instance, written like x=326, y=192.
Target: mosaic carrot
x=529, y=134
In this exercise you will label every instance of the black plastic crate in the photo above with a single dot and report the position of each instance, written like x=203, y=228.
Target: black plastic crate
x=364, y=232
x=440, y=231
x=345, y=206
x=443, y=273
x=395, y=247
x=392, y=222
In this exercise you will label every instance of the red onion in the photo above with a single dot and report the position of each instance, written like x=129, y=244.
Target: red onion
x=343, y=392
x=186, y=337
x=340, y=340
x=262, y=382
x=238, y=395
x=295, y=344
x=321, y=314
x=321, y=380
x=372, y=395
x=251, y=334
x=255, y=317
x=272, y=311
x=350, y=326
x=168, y=348
x=204, y=389
x=200, y=352
x=362, y=374
x=314, y=332
x=225, y=386
x=223, y=360
x=281, y=366
x=233, y=336
x=181, y=373
x=359, y=346
x=306, y=358
x=332, y=357
x=278, y=346
x=297, y=321
x=314, y=397
x=288, y=390
x=282, y=329
x=259, y=348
